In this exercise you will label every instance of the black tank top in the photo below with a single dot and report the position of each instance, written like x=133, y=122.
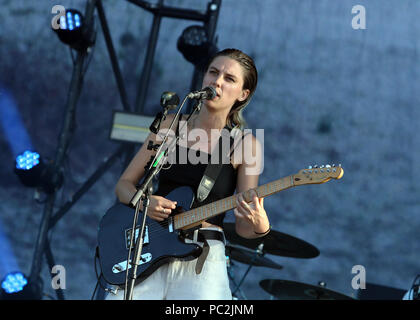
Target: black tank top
x=189, y=174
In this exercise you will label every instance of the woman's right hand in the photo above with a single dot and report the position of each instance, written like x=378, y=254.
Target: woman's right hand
x=160, y=208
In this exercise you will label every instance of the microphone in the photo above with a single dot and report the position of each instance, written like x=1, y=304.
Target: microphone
x=207, y=93
x=169, y=100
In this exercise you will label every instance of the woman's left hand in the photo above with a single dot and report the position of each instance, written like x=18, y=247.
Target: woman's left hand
x=252, y=213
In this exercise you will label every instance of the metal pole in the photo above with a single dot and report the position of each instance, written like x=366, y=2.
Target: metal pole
x=107, y=163
x=210, y=24
x=148, y=62
x=66, y=131
x=51, y=264
x=113, y=56
x=62, y=148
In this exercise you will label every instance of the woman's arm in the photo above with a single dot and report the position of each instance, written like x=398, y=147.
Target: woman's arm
x=126, y=185
x=251, y=218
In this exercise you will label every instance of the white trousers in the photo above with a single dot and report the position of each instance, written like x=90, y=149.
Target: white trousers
x=178, y=280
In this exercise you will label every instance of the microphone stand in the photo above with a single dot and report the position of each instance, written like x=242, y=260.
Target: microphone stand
x=143, y=193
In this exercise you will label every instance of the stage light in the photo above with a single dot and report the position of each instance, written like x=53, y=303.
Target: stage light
x=33, y=172
x=29, y=168
x=195, y=46
x=27, y=160
x=16, y=286
x=14, y=282
x=73, y=31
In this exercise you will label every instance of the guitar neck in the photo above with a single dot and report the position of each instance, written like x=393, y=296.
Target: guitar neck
x=196, y=215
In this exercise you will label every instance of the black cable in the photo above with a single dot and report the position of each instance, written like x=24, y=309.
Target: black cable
x=94, y=291
x=98, y=277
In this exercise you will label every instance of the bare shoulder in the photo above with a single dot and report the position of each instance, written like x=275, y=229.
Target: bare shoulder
x=248, y=152
x=245, y=142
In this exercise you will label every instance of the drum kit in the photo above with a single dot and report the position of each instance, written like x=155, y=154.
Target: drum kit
x=252, y=251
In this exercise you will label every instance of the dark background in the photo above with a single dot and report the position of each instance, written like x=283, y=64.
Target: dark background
x=327, y=94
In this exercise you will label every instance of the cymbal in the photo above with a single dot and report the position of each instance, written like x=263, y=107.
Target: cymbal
x=250, y=257
x=291, y=290
x=274, y=242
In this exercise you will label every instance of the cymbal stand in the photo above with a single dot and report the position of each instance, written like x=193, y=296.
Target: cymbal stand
x=230, y=266
x=258, y=252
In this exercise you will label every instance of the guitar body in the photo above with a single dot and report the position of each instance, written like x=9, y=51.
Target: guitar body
x=160, y=245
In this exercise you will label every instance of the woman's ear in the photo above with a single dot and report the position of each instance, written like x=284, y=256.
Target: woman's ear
x=244, y=95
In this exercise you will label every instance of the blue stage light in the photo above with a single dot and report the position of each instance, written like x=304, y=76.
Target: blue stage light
x=74, y=32
x=29, y=167
x=33, y=172
x=77, y=20
x=14, y=282
x=16, y=286
x=63, y=23
x=27, y=160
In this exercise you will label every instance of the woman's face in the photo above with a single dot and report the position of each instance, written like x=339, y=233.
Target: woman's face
x=226, y=76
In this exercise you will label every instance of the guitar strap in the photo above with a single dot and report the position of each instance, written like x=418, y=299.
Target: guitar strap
x=221, y=157
x=213, y=169
x=207, y=182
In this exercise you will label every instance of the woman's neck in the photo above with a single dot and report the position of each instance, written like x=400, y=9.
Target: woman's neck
x=208, y=120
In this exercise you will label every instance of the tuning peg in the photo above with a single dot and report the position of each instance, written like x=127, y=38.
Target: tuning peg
x=310, y=167
x=339, y=165
x=328, y=166
x=322, y=167
x=315, y=166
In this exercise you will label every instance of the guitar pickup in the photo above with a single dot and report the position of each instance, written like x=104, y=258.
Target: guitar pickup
x=136, y=235
x=122, y=266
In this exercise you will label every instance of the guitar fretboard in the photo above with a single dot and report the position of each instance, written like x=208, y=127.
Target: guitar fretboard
x=207, y=211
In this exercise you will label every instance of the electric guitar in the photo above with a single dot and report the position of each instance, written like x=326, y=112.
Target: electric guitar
x=162, y=241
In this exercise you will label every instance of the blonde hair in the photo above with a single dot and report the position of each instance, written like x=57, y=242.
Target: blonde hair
x=235, y=118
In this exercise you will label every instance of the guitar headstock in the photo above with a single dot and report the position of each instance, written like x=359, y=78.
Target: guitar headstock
x=315, y=174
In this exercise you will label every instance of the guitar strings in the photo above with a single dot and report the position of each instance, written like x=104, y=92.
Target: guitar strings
x=163, y=227
x=190, y=215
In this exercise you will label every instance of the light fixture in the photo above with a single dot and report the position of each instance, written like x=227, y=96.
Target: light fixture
x=195, y=46
x=16, y=286
x=14, y=282
x=33, y=172
x=29, y=168
x=73, y=30
x=130, y=127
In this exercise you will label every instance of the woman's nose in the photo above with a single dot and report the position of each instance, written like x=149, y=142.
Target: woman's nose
x=217, y=81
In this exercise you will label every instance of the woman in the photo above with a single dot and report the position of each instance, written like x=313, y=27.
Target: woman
x=234, y=77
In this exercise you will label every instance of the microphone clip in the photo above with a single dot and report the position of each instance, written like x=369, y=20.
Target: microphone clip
x=152, y=146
